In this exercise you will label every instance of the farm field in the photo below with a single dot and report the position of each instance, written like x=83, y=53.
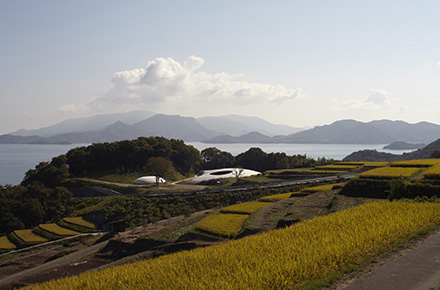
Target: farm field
x=245, y=207
x=415, y=163
x=433, y=172
x=277, y=197
x=28, y=237
x=390, y=172
x=5, y=244
x=57, y=230
x=285, y=258
x=79, y=221
x=224, y=225
x=321, y=187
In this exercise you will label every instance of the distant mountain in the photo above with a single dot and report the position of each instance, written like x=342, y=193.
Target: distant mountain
x=253, y=137
x=177, y=127
x=375, y=132
x=88, y=124
x=236, y=125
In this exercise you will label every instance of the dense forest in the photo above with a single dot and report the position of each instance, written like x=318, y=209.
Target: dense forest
x=42, y=197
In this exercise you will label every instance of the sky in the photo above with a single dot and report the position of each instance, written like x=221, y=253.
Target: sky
x=299, y=63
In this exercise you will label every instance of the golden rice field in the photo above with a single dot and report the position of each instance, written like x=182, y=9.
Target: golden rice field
x=415, y=162
x=325, y=171
x=279, y=259
x=245, y=207
x=321, y=187
x=5, y=244
x=433, y=172
x=57, y=230
x=341, y=167
x=224, y=225
x=79, y=221
x=28, y=237
x=366, y=163
x=277, y=197
x=390, y=172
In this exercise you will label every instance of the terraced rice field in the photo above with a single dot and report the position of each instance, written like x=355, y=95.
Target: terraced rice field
x=57, y=230
x=322, y=187
x=224, y=225
x=280, y=259
x=390, y=172
x=79, y=221
x=433, y=172
x=415, y=163
x=28, y=237
x=277, y=197
x=6, y=244
x=245, y=207
x=337, y=167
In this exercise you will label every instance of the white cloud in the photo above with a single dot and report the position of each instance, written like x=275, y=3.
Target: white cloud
x=377, y=100
x=166, y=81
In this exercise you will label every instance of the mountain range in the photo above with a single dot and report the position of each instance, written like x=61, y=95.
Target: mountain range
x=222, y=129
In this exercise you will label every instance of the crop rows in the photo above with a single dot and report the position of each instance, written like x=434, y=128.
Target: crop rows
x=277, y=197
x=245, y=207
x=341, y=167
x=321, y=187
x=280, y=259
x=5, y=244
x=433, y=172
x=390, y=172
x=415, y=163
x=224, y=225
x=26, y=237
x=57, y=230
x=79, y=221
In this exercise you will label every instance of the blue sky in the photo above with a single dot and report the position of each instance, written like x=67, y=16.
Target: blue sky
x=300, y=63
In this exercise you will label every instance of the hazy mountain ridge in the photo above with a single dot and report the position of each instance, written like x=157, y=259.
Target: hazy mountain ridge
x=222, y=130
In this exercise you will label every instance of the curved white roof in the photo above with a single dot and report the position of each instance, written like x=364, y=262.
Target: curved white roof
x=223, y=173
x=149, y=179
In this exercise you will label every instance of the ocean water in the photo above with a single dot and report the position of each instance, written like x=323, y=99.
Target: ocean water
x=17, y=159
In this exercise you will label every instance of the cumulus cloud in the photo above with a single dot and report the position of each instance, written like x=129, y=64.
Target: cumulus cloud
x=376, y=100
x=165, y=80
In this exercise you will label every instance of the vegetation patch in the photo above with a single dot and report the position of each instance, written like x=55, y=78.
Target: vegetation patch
x=245, y=207
x=278, y=197
x=57, y=230
x=433, y=172
x=79, y=221
x=26, y=237
x=280, y=259
x=390, y=172
x=338, y=167
x=323, y=187
x=6, y=244
x=224, y=225
x=415, y=163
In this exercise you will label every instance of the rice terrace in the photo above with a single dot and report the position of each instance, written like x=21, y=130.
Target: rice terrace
x=312, y=225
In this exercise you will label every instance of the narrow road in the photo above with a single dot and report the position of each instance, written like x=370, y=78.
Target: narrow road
x=53, y=264
x=417, y=269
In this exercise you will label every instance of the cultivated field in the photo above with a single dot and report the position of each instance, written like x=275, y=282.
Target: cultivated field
x=277, y=197
x=390, y=172
x=280, y=259
x=321, y=187
x=245, y=207
x=5, y=244
x=28, y=237
x=223, y=225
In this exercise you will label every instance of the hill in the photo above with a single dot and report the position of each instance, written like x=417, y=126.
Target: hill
x=373, y=155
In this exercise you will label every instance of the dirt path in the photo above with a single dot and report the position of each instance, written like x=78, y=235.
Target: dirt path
x=416, y=269
x=49, y=265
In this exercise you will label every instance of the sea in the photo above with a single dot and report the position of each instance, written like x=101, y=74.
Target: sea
x=17, y=159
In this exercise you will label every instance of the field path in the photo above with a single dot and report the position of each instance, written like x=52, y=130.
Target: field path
x=416, y=269
x=52, y=264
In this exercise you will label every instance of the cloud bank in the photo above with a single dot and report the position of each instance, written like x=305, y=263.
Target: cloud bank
x=166, y=81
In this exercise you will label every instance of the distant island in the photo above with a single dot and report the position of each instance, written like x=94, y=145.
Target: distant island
x=400, y=145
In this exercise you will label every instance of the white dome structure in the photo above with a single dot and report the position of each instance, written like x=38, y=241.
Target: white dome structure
x=224, y=173
x=149, y=179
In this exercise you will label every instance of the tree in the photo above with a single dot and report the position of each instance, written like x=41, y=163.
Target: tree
x=436, y=154
x=237, y=172
x=159, y=167
x=213, y=158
